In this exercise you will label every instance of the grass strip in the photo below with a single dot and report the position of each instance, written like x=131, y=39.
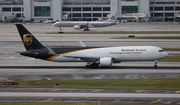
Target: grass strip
x=127, y=84
x=170, y=59
x=171, y=49
x=118, y=32
x=75, y=103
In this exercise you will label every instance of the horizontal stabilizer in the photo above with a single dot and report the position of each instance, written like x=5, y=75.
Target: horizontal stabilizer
x=27, y=52
x=51, y=51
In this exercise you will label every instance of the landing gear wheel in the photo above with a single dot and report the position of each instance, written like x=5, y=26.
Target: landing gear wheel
x=93, y=65
x=86, y=29
x=60, y=32
x=87, y=66
x=155, y=66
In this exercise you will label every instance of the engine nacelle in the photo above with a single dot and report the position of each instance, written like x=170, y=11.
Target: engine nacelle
x=106, y=61
x=77, y=27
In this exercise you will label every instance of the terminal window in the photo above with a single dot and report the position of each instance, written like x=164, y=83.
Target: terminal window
x=105, y=14
x=169, y=8
x=158, y=14
x=41, y=11
x=169, y=14
x=97, y=9
x=18, y=15
x=86, y=8
x=97, y=15
x=16, y=9
x=66, y=8
x=76, y=8
x=6, y=9
x=86, y=14
x=76, y=14
x=152, y=15
x=158, y=8
x=151, y=9
x=177, y=8
x=129, y=9
x=106, y=8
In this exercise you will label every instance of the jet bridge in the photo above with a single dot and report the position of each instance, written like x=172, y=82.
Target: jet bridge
x=136, y=17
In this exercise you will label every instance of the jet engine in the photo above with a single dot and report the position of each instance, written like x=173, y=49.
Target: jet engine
x=77, y=27
x=106, y=61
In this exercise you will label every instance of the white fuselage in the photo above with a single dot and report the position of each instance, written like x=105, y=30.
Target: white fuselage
x=91, y=24
x=123, y=53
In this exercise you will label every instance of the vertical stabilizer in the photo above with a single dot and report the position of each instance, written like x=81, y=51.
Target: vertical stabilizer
x=29, y=41
x=113, y=17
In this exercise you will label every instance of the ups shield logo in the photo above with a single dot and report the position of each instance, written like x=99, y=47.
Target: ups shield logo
x=27, y=39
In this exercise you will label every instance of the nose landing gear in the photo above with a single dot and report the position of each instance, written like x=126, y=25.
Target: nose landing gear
x=155, y=66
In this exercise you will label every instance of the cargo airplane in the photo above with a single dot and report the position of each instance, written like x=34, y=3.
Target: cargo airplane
x=88, y=24
x=93, y=56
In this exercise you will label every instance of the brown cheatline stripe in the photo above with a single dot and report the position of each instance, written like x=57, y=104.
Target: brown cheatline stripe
x=52, y=57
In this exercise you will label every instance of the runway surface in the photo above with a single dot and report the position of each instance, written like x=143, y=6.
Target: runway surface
x=90, y=97
x=39, y=70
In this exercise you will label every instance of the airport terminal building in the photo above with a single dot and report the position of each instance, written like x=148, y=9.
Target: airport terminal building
x=88, y=9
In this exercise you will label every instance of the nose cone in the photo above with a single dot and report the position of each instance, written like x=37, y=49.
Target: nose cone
x=165, y=54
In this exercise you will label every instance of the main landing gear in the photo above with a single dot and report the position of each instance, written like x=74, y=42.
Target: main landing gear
x=60, y=30
x=86, y=29
x=92, y=65
x=155, y=66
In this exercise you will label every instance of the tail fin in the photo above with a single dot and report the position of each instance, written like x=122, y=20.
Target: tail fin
x=113, y=17
x=29, y=41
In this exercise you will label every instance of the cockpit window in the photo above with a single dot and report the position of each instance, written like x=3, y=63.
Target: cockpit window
x=161, y=50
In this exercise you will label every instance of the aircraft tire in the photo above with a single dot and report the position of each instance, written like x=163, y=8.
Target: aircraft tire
x=155, y=66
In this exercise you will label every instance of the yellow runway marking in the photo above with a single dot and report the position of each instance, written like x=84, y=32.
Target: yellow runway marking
x=7, y=79
x=48, y=100
x=177, y=92
x=143, y=77
x=48, y=78
x=96, y=77
x=139, y=91
x=97, y=90
x=157, y=101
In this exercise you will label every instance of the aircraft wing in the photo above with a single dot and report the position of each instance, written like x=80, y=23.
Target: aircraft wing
x=85, y=58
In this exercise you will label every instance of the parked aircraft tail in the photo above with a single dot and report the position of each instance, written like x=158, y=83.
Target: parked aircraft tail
x=113, y=17
x=29, y=41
